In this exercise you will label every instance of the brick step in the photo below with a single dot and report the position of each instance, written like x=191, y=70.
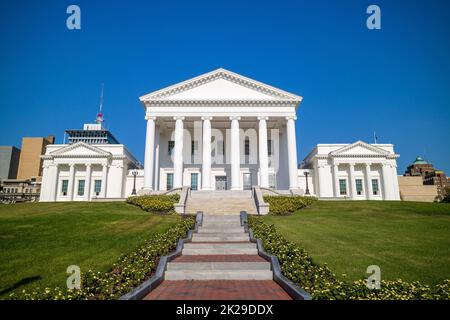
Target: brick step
x=218, y=290
x=219, y=275
x=217, y=266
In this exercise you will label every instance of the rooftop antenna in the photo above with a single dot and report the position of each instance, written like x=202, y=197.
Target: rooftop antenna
x=99, y=119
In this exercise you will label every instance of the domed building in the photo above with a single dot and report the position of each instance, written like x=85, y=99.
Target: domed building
x=430, y=175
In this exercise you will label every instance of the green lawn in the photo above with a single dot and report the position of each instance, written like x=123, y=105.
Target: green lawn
x=407, y=240
x=38, y=241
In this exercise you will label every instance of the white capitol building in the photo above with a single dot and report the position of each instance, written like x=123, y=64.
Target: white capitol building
x=217, y=131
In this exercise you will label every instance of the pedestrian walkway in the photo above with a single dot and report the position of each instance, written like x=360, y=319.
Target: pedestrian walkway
x=220, y=263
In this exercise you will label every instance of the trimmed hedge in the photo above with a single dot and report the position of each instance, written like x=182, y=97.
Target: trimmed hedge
x=285, y=205
x=159, y=204
x=322, y=284
x=130, y=270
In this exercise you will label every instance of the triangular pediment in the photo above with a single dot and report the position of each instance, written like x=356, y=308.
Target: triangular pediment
x=360, y=148
x=220, y=85
x=80, y=149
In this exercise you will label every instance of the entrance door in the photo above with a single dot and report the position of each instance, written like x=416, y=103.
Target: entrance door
x=221, y=182
x=247, y=181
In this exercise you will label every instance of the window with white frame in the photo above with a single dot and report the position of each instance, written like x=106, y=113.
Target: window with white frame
x=169, y=181
x=64, y=187
x=375, y=187
x=342, y=187
x=359, y=187
x=80, y=188
x=194, y=181
x=97, y=187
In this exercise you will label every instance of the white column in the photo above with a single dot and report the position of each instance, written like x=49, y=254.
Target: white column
x=104, y=181
x=46, y=182
x=263, y=154
x=386, y=176
x=156, y=172
x=337, y=192
x=54, y=176
x=87, y=189
x=352, y=180
x=178, y=153
x=368, y=178
x=149, y=153
x=396, y=195
x=71, y=185
x=235, y=154
x=292, y=152
x=206, y=154
x=120, y=178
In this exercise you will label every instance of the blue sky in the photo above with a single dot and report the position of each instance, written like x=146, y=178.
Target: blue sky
x=395, y=81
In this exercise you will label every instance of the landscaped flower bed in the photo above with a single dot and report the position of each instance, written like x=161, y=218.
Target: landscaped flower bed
x=284, y=205
x=130, y=270
x=159, y=204
x=321, y=283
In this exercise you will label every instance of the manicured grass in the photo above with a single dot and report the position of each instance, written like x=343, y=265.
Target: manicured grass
x=38, y=241
x=407, y=240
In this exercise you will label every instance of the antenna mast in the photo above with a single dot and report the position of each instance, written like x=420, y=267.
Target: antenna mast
x=99, y=119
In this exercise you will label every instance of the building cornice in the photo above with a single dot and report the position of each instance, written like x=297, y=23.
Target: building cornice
x=237, y=103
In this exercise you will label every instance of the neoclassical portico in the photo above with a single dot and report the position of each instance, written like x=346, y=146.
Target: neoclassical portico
x=358, y=171
x=220, y=131
x=82, y=172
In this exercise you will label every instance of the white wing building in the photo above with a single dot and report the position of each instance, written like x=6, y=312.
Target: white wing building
x=357, y=171
x=94, y=165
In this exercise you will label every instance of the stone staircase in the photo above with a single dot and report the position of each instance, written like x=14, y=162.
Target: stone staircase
x=220, y=250
x=224, y=202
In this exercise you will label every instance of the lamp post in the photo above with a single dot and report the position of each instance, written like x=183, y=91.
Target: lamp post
x=134, y=173
x=306, y=173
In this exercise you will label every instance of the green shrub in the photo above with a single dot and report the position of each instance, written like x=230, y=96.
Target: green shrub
x=130, y=270
x=321, y=283
x=284, y=205
x=159, y=204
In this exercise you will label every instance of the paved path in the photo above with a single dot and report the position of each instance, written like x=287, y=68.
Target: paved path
x=219, y=264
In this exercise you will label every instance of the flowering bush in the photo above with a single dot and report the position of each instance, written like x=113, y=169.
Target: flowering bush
x=159, y=204
x=284, y=205
x=321, y=283
x=128, y=272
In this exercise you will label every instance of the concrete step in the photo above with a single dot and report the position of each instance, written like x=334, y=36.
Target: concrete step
x=219, y=248
x=222, y=218
x=217, y=266
x=206, y=237
x=218, y=229
x=221, y=234
x=220, y=194
x=221, y=224
x=244, y=245
x=219, y=275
